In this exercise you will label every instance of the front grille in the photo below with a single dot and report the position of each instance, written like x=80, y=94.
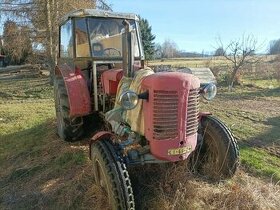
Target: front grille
x=165, y=115
x=192, y=114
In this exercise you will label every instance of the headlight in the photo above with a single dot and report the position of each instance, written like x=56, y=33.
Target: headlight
x=129, y=100
x=209, y=92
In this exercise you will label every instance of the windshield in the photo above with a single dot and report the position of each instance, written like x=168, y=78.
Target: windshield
x=105, y=37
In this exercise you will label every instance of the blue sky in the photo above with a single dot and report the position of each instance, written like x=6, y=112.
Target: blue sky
x=195, y=24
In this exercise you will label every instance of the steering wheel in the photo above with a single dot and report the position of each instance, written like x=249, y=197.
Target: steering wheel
x=97, y=49
x=112, y=52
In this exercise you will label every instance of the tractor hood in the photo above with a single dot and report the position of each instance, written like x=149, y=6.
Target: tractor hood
x=205, y=75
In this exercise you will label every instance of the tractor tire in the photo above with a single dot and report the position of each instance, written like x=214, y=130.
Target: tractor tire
x=216, y=156
x=68, y=128
x=111, y=175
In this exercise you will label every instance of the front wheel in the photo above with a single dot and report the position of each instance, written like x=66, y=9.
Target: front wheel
x=216, y=155
x=111, y=175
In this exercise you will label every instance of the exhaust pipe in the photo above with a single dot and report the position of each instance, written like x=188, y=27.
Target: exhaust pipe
x=128, y=40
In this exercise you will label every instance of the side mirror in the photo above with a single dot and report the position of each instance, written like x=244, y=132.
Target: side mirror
x=129, y=100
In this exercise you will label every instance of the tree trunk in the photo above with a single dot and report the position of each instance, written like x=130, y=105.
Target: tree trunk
x=232, y=79
x=50, y=40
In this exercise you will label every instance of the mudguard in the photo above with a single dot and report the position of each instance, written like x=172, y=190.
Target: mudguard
x=77, y=90
x=203, y=114
x=97, y=137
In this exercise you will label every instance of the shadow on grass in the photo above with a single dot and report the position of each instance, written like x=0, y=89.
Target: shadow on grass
x=270, y=137
x=43, y=171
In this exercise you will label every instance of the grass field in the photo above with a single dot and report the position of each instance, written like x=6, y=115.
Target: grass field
x=200, y=62
x=38, y=170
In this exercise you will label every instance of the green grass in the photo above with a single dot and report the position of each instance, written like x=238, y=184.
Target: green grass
x=263, y=83
x=260, y=162
x=69, y=158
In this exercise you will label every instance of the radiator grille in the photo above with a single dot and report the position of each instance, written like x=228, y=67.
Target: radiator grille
x=192, y=113
x=165, y=114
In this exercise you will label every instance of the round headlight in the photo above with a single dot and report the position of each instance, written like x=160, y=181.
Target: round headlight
x=129, y=100
x=209, y=92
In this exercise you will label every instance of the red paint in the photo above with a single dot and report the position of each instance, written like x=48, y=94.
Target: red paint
x=203, y=114
x=97, y=137
x=77, y=90
x=169, y=81
x=110, y=80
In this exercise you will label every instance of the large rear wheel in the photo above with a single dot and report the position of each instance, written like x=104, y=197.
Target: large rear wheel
x=112, y=176
x=68, y=128
x=216, y=155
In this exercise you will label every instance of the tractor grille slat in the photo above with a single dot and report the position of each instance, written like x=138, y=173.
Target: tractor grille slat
x=192, y=113
x=167, y=121
x=165, y=114
x=171, y=117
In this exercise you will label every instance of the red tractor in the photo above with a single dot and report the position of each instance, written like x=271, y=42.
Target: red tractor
x=148, y=117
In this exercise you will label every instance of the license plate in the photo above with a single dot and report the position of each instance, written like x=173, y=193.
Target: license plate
x=180, y=151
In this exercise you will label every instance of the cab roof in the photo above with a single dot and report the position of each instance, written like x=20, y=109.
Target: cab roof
x=97, y=13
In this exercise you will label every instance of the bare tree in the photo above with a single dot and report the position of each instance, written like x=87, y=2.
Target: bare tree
x=169, y=49
x=103, y=5
x=239, y=52
x=16, y=42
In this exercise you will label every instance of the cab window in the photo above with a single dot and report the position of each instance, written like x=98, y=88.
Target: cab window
x=66, y=40
x=81, y=35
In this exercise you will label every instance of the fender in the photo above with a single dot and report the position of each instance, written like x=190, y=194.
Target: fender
x=102, y=135
x=203, y=114
x=77, y=90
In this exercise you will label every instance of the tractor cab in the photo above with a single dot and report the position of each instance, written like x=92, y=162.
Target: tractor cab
x=95, y=45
